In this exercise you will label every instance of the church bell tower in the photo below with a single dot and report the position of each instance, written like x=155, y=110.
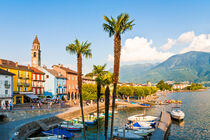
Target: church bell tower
x=36, y=53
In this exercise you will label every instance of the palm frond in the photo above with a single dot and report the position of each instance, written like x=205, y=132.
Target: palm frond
x=109, y=29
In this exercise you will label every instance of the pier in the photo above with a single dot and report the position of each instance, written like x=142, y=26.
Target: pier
x=163, y=126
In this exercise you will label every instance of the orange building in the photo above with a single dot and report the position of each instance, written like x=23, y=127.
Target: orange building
x=71, y=81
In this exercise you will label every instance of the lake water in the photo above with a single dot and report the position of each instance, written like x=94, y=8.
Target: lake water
x=196, y=124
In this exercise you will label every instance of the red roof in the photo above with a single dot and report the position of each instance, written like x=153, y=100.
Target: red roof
x=36, y=41
x=68, y=70
x=35, y=70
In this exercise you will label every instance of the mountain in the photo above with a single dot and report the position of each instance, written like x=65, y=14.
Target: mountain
x=191, y=66
x=129, y=72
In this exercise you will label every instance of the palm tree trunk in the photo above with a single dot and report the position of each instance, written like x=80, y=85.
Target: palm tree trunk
x=79, y=69
x=117, y=51
x=98, y=97
x=107, y=93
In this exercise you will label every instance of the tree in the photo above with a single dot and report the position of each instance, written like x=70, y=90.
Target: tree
x=116, y=27
x=80, y=49
x=163, y=86
x=98, y=72
x=138, y=91
x=108, y=79
x=89, y=91
x=126, y=90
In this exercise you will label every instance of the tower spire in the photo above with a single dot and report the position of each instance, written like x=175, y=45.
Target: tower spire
x=36, y=41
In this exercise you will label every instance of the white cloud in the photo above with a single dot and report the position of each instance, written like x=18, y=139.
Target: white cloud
x=182, y=39
x=199, y=43
x=139, y=49
x=169, y=44
x=186, y=37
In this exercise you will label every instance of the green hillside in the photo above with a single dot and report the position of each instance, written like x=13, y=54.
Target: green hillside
x=191, y=66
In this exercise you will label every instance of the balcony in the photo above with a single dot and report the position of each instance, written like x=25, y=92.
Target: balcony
x=26, y=85
x=26, y=77
x=19, y=85
x=6, y=85
x=5, y=96
x=20, y=77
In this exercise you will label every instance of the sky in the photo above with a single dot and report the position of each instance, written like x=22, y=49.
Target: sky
x=162, y=28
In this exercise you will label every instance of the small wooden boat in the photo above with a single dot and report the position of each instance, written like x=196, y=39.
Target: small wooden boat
x=57, y=132
x=177, y=114
x=147, y=105
x=140, y=132
x=136, y=126
x=71, y=126
x=127, y=135
x=142, y=117
x=59, y=137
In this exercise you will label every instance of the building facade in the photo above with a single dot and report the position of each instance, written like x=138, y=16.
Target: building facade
x=38, y=80
x=88, y=80
x=71, y=81
x=55, y=83
x=22, y=80
x=6, y=88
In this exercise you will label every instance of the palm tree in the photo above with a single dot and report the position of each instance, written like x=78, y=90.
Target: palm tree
x=108, y=79
x=99, y=72
x=116, y=27
x=80, y=49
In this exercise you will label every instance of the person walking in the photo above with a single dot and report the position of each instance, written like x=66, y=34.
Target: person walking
x=4, y=106
x=10, y=106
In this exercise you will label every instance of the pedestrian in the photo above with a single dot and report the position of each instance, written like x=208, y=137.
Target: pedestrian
x=4, y=106
x=10, y=106
x=48, y=105
x=51, y=104
x=32, y=106
x=61, y=104
x=38, y=105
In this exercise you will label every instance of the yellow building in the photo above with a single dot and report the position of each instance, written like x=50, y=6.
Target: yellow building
x=22, y=80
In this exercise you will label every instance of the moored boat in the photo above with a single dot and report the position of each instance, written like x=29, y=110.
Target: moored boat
x=57, y=132
x=71, y=126
x=177, y=114
x=142, y=117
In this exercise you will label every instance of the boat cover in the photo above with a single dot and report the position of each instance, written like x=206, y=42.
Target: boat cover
x=136, y=124
x=58, y=131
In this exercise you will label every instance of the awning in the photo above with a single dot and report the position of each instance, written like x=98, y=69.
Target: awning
x=32, y=96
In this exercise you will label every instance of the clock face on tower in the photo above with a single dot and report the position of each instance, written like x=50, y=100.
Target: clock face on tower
x=34, y=62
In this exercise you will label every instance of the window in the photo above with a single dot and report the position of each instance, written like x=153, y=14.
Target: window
x=33, y=76
x=34, y=90
x=69, y=86
x=18, y=89
x=34, y=54
x=69, y=77
x=47, y=76
x=6, y=91
x=18, y=73
x=72, y=78
x=25, y=89
x=72, y=86
x=38, y=92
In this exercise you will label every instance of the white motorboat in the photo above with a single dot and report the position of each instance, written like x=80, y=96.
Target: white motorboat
x=142, y=118
x=128, y=135
x=59, y=137
x=140, y=132
x=71, y=126
x=137, y=126
x=177, y=114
